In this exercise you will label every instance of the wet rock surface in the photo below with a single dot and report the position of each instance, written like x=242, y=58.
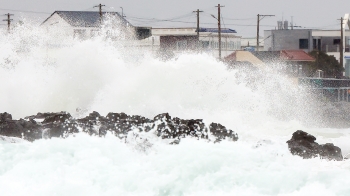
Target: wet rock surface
x=62, y=124
x=304, y=145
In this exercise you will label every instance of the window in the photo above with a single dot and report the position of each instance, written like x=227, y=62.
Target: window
x=212, y=44
x=303, y=44
x=181, y=45
x=336, y=41
x=94, y=33
x=231, y=45
x=316, y=44
x=223, y=45
x=79, y=33
x=216, y=44
x=205, y=44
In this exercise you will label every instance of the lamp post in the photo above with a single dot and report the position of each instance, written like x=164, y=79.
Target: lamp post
x=122, y=12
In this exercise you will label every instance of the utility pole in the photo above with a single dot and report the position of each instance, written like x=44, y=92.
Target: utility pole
x=197, y=26
x=257, y=29
x=219, y=28
x=100, y=10
x=341, y=43
x=8, y=21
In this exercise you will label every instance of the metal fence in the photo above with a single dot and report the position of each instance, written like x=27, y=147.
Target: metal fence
x=329, y=89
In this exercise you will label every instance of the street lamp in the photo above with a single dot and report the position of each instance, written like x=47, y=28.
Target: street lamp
x=122, y=12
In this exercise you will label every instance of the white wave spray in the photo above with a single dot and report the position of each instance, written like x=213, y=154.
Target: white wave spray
x=107, y=76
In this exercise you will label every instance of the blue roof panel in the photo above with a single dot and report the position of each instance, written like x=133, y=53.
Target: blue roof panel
x=216, y=30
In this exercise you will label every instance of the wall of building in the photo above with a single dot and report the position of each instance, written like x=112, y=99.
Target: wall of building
x=228, y=42
x=173, y=31
x=178, y=43
x=328, y=44
x=276, y=40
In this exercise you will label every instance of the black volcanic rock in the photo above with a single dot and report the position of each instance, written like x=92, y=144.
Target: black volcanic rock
x=168, y=128
x=220, y=132
x=94, y=124
x=121, y=123
x=176, y=128
x=62, y=124
x=304, y=145
x=5, y=117
x=59, y=124
x=21, y=128
x=331, y=152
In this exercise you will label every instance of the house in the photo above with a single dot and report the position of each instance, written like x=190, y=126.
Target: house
x=85, y=24
x=292, y=60
x=177, y=40
x=308, y=40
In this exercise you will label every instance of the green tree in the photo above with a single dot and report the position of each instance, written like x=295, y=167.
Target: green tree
x=327, y=63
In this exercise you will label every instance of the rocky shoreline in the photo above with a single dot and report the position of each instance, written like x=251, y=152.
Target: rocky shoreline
x=62, y=124
x=304, y=145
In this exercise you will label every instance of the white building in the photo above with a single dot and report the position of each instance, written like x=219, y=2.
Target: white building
x=178, y=40
x=85, y=24
x=311, y=39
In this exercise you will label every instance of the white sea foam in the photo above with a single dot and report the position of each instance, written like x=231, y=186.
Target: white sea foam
x=85, y=165
x=107, y=77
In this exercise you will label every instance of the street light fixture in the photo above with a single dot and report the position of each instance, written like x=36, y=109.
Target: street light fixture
x=122, y=12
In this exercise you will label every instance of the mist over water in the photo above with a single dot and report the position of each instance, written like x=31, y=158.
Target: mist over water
x=42, y=71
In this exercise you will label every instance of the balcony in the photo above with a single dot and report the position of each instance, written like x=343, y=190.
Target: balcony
x=334, y=48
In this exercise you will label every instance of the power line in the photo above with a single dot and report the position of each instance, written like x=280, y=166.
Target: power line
x=155, y=20
x=34, y=12
x=210, y=23
x=90, y=8
x=223, y=21
x=240, y=18
x=162, y=20
x=322, y=26
x=257, y=29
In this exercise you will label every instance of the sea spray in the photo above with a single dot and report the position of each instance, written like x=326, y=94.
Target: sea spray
x=42, y=71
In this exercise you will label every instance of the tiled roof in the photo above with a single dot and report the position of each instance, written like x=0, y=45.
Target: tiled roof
x=230, y=57
x=267, y=56
x=283, y=55
x=295, y=55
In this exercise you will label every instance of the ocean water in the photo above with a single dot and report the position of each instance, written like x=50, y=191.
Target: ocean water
x=44, y=72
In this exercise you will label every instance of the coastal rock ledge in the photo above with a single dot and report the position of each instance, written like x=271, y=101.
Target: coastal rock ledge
x=62, y=124
x=304, y=145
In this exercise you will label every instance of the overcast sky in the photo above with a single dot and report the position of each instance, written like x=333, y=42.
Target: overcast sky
x=240, y=15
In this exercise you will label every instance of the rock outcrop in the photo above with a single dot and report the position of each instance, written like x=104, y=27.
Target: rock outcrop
x=62, y=124
x=304, y=145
